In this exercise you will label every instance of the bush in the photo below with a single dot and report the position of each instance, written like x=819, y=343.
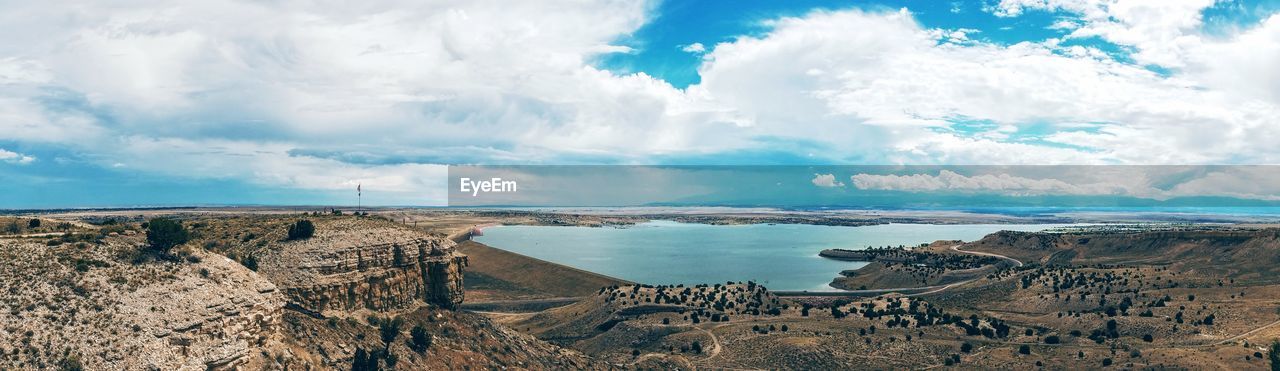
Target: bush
x=34, y=223
x=1024, y=349
x=251, y=263
x=163, y=234
x=1052, y=339
x=419, y=339
x=70, y=363
x=363, y=361
x=1274, y=355
x=12, y=227
x=301, y=230
x=966, y=347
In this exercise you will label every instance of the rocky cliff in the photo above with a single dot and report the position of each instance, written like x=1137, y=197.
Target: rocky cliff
x=362, y=264
x=83, y=305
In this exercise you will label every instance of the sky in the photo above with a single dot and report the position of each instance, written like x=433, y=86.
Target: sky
x=149, y=103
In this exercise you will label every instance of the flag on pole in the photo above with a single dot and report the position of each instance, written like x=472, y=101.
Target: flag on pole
x=357, y=189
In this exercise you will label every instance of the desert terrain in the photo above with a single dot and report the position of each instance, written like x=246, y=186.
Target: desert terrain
x=406, y=289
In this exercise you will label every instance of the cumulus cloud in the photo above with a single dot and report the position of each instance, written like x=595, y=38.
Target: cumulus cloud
x=15, y=158
x=889, y=84
x=696, y=48
x=269, y=92
x=826, y=180
x=1005, y=184
x=1246, y=182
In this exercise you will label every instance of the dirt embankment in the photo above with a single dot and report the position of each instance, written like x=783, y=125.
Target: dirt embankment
x=499, y=275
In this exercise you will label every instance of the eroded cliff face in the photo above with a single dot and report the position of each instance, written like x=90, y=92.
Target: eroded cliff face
x=72, y=304
x=378, y=268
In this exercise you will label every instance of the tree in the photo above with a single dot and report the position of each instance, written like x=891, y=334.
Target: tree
x=966, y=347
x=697, y=348
x=389, y=330
x=163, y=234
x=1274, y=355
x=1024, y=349
x=301, y=230
x=361, y=361
x=12, y=227
x=34, y=223
x=1052, y=339
x=419, y=339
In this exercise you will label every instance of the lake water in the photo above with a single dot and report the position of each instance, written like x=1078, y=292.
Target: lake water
x=780, y=256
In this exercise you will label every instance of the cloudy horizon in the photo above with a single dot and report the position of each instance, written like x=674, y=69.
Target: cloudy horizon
x=289, y=102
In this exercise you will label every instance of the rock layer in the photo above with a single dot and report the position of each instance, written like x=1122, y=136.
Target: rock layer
x=397, y=269
x=81, y=303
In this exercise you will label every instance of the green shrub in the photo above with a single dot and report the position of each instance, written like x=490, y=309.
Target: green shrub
x=163, y=234
x=1274, y=355
x=34, y=223
x=419, y=339
x=301, y=230
x=70, y=363
x=12, y=227
x=389, y=329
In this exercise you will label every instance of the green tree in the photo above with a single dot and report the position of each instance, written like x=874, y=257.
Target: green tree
x=363, y=361
x=389, y=329
x=34, y=223
x=1274, y=355
x=12, y=227
x=301, y=230
x=419, y=339
x=163, y=234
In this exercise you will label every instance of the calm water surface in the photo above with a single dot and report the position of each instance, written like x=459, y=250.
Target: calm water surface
x=780, y=256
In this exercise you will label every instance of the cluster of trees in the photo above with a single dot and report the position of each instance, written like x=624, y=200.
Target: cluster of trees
x=388, y=330
x=737, y=298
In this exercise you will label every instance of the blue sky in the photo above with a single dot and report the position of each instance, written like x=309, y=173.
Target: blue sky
x=231, y=102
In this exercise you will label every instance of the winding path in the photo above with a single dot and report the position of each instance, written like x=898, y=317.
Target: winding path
x=1016, y=262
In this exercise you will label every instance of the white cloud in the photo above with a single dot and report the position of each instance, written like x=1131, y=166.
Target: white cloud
x=1248, y=182
x=696, y=48
x=888, y=82
x=1162, y=31
x=15, y=158
x=1006, y=184
x=826, y=180
x=242, y=90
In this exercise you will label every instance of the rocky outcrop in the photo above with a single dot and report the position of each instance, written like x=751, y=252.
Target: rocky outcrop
x=379, y=268
x=82, y=304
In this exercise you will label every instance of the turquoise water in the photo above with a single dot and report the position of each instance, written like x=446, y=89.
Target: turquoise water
x=780, y=256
